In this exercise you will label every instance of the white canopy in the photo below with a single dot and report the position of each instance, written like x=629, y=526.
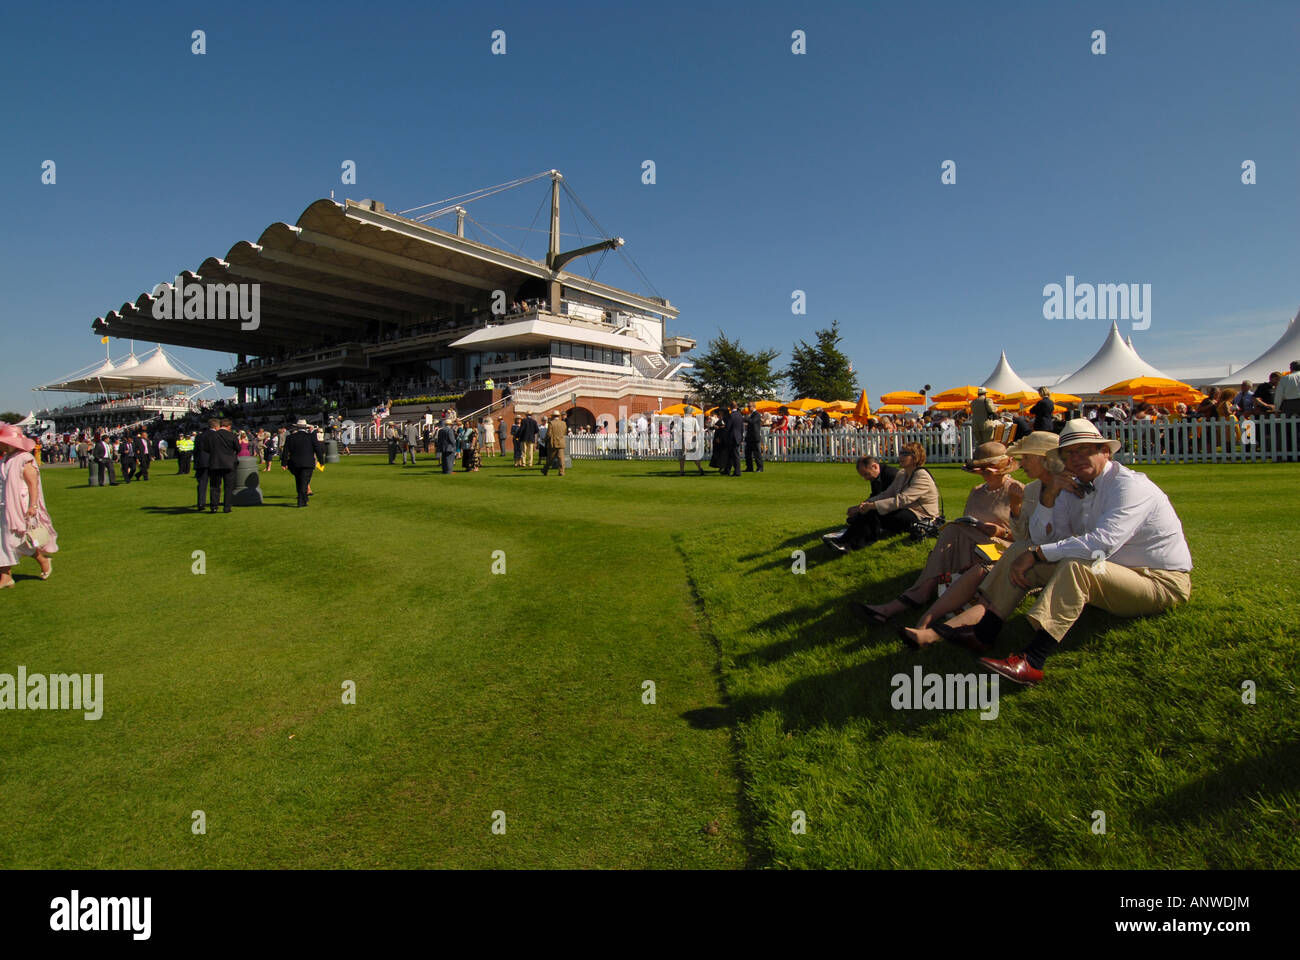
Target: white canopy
x=1277, y=357
x=1115, y=361
x=126, y=376
x=1005, y=380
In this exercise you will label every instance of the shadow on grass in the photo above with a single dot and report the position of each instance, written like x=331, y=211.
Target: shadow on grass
x=1232, y=788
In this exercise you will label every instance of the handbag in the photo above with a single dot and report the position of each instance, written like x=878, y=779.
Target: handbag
x=37, y=536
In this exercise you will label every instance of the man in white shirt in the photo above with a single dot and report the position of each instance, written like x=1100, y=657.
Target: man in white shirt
x=1113, y=541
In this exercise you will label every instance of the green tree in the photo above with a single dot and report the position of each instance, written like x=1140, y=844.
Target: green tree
x=10, y=417
x=729, y=372
x=822, y=370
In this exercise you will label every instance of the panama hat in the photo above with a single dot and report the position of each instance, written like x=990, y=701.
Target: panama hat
x=990, y=454
x=1083, y=431
x=13, y=437
x=1040, y=443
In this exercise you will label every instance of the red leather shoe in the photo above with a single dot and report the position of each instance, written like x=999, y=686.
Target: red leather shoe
x=1015, y=668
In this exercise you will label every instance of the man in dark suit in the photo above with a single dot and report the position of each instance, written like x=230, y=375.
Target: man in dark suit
x=880, y=476
x=201, y=460
x=753, y=440
x=101, y=451
x=126, y=454
x=223, y=455
x=301, y=452
x=734, y=436
x=143, y=455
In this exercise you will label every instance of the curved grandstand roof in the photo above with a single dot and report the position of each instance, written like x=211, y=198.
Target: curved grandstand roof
x=1115, y=361
x=343, y=272
x=1005, y=380
x=1277, y=357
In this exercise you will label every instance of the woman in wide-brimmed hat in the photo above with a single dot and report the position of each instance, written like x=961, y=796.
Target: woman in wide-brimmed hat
x=991, y=508
x=22, y=506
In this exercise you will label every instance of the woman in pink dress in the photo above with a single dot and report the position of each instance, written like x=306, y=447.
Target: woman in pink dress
x=22, y=505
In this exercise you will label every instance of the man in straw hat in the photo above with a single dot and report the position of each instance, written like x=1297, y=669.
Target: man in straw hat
x=1113, y=541
x=556, y=431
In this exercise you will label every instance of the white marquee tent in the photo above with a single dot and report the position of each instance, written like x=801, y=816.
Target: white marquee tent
x=1277, y=357
x=1005, y=380
x=1115, y=361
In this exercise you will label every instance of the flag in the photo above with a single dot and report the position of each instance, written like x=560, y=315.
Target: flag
x=103, y=339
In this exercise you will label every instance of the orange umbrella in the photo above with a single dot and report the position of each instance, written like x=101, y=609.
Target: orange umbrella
x=1136, y=385
x=679, y=410
x=810, y=404
x=1069, y=399
x=893, y=408
x=1022, y=396
x=963, y=393
x=844, y=406
x=951, y=405
x=862, y=411
x=906, y=398
x=768, y=406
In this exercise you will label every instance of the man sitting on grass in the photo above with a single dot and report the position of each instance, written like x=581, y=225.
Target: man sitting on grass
x=880, y=476
x=1113, y=541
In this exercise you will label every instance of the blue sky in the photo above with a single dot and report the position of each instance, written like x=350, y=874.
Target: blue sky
x=775, y=172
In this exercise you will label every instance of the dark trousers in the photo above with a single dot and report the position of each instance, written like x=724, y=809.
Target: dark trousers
x=392, y=451
x=221, y=481
x=128, y=470
x=142, y=469
x=106, y=468
x=183, y=462
x=201, y=475
x=731, y=462
x=869, y=526
x=753, y=452
x=302, y=475
x=448, y=461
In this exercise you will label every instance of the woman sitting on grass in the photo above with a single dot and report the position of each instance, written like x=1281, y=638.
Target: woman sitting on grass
x=911, y=497
x=990, y=510
x=1032, y=452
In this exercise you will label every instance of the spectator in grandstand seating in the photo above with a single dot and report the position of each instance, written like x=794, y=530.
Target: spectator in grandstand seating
x=911, y=496
x=23, y=513
x=976, y=538
x=1102, y=535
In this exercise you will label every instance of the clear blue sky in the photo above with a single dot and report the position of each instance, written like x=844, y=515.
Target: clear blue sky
x=775, y=172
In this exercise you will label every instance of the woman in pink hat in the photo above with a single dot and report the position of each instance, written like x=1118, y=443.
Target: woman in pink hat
x=22, y=506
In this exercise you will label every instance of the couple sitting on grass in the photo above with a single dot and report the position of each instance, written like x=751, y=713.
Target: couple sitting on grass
x=1086, y=530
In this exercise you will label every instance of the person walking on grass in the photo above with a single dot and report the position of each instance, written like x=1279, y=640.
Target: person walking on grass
x=556, y=435
x=28, y=530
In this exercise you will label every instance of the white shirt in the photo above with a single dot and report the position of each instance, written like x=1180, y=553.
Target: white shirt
x=1288, y=388
x=1127, y=519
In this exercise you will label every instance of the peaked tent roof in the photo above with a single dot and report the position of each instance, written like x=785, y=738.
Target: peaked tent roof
x=131, y=374
x=1115, y=361
x=1276, y=357
x=157, y=371
x=1005, y=380
x=1147, y=369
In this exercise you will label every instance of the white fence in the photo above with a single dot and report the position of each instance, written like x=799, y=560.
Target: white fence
x=1188, y=441
x=811, y=446
x=1208, y=441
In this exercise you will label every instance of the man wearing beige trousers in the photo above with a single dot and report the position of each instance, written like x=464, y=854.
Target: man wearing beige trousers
x=1110, y=538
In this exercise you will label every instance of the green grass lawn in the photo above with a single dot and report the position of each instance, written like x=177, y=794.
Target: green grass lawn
x=522, y=692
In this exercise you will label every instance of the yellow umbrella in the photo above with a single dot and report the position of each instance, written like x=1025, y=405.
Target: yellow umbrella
x=679, y=410
x=843, y=406
x=952, y=405
x=1022, y=396
x=893, y=408
x=809, y=404
x=1136, y=385
x=1069, y=399
x=768, y=406
x=963, y=393
x=907, y=398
